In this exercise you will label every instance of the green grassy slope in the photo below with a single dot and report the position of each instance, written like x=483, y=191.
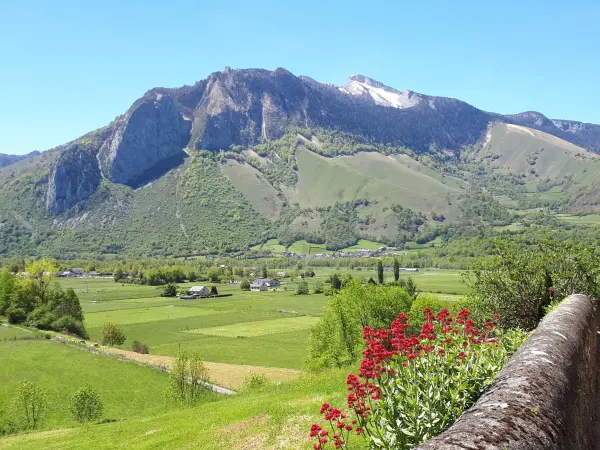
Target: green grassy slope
x=523, y=150
x=276, y=418
x=126, y=390
x=257, y=190
x=323, y=181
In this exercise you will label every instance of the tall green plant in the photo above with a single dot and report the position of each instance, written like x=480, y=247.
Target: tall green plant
x=30, y=404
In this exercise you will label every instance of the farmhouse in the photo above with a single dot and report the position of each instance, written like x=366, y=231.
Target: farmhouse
x=199, y=291
x=259, y=284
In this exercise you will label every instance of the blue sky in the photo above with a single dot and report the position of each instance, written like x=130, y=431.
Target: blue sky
x=68, y=67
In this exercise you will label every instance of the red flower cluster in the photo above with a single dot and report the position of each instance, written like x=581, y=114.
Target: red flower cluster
x=385, y=349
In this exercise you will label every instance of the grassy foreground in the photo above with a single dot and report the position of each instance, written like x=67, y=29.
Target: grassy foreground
x=276, y=418
x=126, y=390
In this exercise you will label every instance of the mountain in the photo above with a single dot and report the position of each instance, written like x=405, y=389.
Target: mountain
x=7, y=160
x=248, y=155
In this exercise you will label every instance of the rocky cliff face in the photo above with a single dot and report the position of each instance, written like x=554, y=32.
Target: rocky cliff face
x=74, y=178
x=152, y=132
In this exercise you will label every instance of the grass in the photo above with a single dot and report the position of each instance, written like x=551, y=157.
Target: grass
x=143, y=315
x=260, y=328
x=278, y=417
x=364, y=244
x=306, y=248
x=9, y=332
x=126, y=390
x=590, y=219
x=272, y=245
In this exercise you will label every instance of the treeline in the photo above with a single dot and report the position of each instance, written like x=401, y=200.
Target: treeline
x=33, y=299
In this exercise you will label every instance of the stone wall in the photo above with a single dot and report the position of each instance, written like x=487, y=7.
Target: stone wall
x=546, y=397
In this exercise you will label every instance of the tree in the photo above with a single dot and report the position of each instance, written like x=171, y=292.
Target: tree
x=411, y=288
x=41, y=273
x=302, y=288
x=336, y=283
x=30, y=404
x=85, y=405
x=7, y=286
x=318, y=287
x=187, y=378
x=380, y=271
x=68, y=305
x=336, y=340
x=396, y=270
x=245, y=285
x=213, y=290
x=112, y=335
x=170, y=290
x=264, y=272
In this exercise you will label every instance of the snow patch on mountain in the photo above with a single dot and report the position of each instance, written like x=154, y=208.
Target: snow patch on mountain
x=369, y=89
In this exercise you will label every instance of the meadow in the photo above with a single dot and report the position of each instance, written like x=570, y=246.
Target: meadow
x=127, y=390
x=268, y=329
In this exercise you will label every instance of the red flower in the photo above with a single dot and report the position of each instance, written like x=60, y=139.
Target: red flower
x=462, y=355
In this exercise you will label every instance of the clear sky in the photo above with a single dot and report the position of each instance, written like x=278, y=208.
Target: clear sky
x=68, y=67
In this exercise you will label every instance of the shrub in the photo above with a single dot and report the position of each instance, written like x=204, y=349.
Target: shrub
x=521, y=282
x=85, y=405
x=302, y=288
x=112, y=335
x=170, y=290
x=187, y=378
x=69, y=324
x=213, y=290
x=318, y=288
x=411, y=388
x=245, y=285
x=29, y=404
x=255, y=382
x=16, y=315
x=140, y=347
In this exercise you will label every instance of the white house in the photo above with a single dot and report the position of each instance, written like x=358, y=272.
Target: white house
x=259, y=285
x=199, y=291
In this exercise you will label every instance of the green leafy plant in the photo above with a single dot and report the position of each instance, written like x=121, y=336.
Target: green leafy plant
x=111, y=334
x=85, y=405
x=411, y=388
x=187, y=378
x=30, y=404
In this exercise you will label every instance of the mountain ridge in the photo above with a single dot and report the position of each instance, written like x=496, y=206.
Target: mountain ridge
x=248, y=155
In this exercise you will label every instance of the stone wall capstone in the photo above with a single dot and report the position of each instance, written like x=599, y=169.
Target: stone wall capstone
x=546, y=397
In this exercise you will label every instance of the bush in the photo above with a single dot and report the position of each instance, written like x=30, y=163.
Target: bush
x=318, y=288
x=85, y=405
x=411, y=388
x=112, y=335
x=170, y=290
x=16, y=315
x=69, y=324
x=29, y=404
x=255, y=382
x=213, y=290
x=302, y=288
x=245, y=285
x=520, y=282
x=187, y=378
x=335, y=341
x=140, y=347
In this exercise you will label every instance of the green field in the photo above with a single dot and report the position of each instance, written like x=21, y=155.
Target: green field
x=126, y=390
x=10, y=332
x=277, y=418
x=260, y=328
x=590, y=219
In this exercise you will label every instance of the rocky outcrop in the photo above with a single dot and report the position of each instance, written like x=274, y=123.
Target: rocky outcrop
x=75, y=177
x=152, y=133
